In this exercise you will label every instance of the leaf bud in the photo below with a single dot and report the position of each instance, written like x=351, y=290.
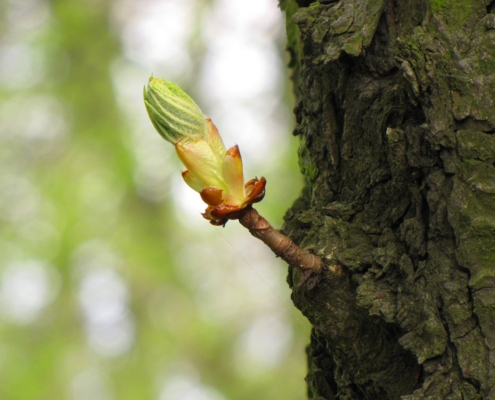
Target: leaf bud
x=173, y=113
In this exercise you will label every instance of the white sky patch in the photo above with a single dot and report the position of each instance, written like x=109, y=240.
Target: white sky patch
x=263, y=345
x=103, y=298
x=26, y=288
x=241, y=78
x=259, y=139
x=188, y=203
x=260, y=17
x=154, y=33
x=187, y=387
x=238, y=69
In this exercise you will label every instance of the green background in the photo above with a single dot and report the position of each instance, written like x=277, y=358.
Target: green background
x=112, y=286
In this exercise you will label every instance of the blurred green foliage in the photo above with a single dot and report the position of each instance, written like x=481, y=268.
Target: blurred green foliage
x=104, y=293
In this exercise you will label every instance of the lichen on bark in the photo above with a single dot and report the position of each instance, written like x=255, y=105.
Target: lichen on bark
x=396, y=114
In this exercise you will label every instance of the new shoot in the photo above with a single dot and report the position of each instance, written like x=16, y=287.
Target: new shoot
x=215, y=172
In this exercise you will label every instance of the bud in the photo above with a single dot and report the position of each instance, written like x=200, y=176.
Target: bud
x=212, y=170
x=173, y=113
x=199, y=159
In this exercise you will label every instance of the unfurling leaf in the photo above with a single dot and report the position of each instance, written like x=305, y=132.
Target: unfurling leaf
x=213, y=171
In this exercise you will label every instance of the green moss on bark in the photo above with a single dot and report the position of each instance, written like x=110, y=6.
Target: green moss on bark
x=396, y=120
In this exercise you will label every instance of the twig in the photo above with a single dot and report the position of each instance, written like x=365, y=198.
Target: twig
x=280, y=244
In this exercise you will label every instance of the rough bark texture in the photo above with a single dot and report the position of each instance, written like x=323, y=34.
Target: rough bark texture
x=396, y=114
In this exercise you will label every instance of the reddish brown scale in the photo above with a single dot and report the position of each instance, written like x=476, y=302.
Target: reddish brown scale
x=218, y=214
x=233, y=152
x=211, y=196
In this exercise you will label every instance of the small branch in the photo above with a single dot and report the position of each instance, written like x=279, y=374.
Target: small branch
x=280, y=244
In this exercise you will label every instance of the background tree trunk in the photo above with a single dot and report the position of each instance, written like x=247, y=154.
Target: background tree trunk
x=396, y=114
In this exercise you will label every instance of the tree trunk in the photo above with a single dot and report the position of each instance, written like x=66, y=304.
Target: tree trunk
x=396, y=114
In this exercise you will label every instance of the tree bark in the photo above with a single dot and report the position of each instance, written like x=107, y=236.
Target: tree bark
x=396, y=114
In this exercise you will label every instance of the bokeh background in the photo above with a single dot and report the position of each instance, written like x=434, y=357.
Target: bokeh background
x=112, y=286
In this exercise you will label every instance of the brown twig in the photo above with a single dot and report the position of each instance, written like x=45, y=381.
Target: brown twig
x=280, y=244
